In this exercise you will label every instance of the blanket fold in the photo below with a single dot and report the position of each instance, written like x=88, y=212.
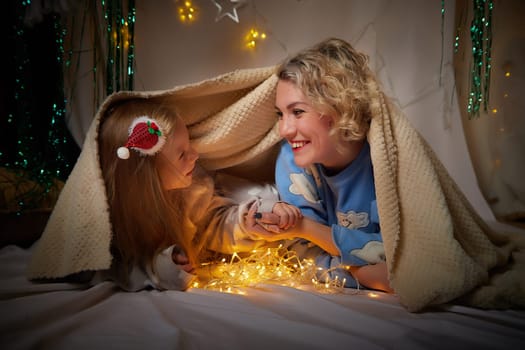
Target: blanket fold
x=438, y=249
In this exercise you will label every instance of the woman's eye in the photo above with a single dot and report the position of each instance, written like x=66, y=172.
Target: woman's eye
x=297, y=112
x=279, y=114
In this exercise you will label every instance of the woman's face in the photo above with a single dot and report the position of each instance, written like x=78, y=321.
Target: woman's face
x=176, y=160
x=305, y=129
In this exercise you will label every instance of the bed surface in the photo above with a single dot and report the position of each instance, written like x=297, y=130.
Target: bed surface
x=69, y=316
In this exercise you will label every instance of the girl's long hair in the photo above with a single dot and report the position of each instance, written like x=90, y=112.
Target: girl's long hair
x=146, y=219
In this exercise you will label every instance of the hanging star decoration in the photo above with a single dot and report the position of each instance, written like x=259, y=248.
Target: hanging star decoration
x=228, y=8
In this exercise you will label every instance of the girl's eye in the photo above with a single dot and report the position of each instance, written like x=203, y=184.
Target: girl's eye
x=279, y=115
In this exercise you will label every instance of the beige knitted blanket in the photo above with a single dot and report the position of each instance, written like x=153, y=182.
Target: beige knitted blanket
x=437, y=247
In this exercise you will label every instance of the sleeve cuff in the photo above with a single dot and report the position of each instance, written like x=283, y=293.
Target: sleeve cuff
x=266, y=205
x=167, y=274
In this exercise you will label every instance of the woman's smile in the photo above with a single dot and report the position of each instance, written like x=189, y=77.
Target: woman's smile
x=298, y=145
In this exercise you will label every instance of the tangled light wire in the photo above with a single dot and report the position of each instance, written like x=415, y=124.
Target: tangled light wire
x=267, y=266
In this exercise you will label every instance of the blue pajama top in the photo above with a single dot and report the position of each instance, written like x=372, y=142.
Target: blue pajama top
x=346, y=202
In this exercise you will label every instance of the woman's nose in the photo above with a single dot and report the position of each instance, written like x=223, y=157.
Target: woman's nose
x=286, y=126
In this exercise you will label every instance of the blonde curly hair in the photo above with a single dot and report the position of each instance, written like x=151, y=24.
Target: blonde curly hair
x=338, y=82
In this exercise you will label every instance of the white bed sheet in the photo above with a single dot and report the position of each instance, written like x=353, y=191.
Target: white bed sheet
x=68, y=316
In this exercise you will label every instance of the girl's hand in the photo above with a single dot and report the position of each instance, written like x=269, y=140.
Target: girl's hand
x=265, y=225
x=179, y=258
x=261, y=223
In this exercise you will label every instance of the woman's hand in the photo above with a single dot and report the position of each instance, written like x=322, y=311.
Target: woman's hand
x=266, y=225
x=289, y=215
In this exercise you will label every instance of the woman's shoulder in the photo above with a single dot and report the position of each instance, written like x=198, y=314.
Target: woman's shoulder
x=285, y=157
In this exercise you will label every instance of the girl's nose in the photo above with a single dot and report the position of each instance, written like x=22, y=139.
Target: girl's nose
x=286, y=126
x=193, y=154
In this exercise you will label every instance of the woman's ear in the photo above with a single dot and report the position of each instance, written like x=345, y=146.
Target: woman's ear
x=328, y=119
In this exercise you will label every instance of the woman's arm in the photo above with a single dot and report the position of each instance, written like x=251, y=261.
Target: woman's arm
x=372, y=276
x=305, y=228
x=316, y=233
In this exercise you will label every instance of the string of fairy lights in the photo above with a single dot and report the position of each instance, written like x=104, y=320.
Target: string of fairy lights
x=269, y=265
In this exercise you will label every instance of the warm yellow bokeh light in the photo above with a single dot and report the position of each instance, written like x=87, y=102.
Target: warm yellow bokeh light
x=253, y=37
x=271, y=265
x=187, y=12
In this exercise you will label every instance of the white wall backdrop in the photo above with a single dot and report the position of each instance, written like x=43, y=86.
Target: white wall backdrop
x=404, y=39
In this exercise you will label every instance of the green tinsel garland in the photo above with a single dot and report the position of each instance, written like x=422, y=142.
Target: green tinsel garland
x=120, y=28
x=36, y=144
x=481, y=36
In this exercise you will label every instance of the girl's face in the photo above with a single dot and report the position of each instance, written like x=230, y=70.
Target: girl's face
x=305, y=129
x=176, y=160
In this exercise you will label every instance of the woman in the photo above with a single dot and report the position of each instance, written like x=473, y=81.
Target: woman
x=324, y=166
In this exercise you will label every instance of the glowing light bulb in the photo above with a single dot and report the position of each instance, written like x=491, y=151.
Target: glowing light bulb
x=253, y=37
x=187, y=12
x=507, y=67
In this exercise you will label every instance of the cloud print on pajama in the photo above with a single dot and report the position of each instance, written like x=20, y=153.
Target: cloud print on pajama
x=373, y=251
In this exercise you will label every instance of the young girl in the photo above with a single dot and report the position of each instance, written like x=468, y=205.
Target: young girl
x=324, y=164
x=166, y=216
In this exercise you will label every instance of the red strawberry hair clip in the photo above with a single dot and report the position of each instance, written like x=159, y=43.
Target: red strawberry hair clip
x=144, y=136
